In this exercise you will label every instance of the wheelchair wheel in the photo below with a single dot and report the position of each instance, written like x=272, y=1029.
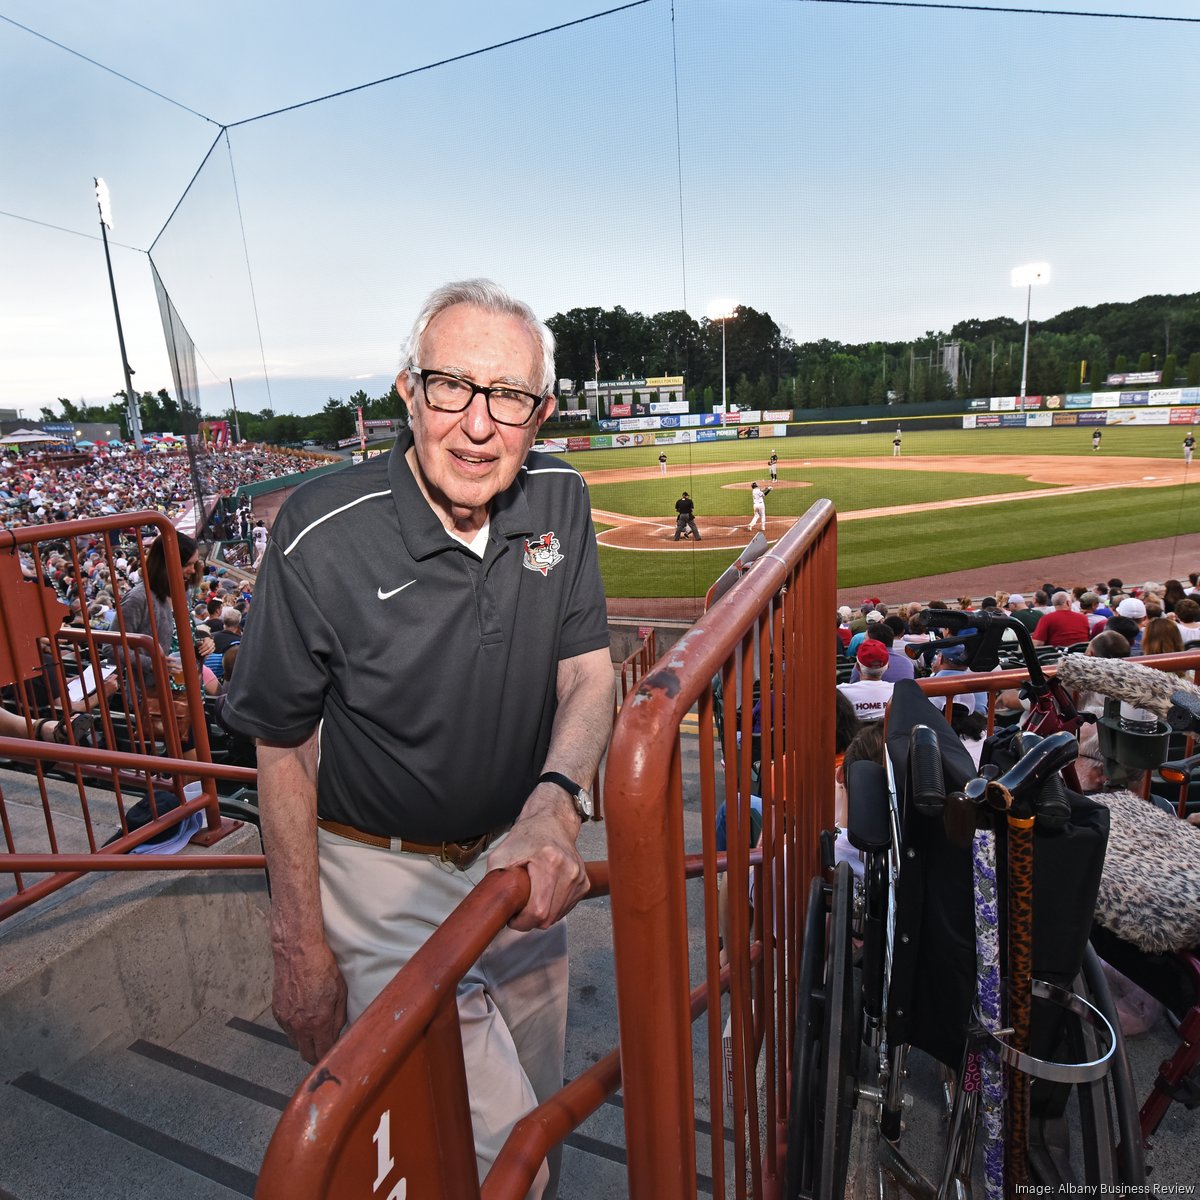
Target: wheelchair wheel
x=806, y=1049
x=838, y=1079
x=826, y=1048
x=1110, y=1149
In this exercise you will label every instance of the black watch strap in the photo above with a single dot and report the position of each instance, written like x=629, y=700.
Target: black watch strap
x=579, y=796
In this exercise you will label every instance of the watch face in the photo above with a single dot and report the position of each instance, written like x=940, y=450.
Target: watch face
x=583, y=802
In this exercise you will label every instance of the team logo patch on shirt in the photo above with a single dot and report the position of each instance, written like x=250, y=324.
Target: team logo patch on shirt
x=542, y=554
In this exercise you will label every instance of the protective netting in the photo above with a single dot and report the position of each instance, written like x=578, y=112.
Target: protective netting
x=667, y=154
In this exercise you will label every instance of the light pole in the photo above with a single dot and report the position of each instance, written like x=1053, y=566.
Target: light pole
x=102, y=203
x=722, y=310
x=1026, y=277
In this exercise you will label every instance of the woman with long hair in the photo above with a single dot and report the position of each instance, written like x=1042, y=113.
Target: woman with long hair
x=153, y=595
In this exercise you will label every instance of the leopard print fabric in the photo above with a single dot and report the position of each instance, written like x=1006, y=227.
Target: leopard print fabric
x=1150, y=890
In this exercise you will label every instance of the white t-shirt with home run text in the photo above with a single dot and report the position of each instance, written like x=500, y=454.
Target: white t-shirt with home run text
x=869, y=696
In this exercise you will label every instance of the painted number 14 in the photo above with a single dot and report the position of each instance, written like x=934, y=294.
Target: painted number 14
x=384, y=1162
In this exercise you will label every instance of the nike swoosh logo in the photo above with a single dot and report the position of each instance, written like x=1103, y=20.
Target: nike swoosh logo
x=388, y=595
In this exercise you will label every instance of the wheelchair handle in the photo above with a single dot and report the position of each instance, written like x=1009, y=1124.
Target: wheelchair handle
x=1015, y=791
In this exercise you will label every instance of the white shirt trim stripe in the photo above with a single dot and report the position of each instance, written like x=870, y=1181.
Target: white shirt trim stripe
x=332, y=513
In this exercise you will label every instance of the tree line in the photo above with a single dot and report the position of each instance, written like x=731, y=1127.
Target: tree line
x=765, y=368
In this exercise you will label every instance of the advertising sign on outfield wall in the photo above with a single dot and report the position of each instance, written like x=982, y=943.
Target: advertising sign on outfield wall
x=1012, y=420
x=1134, y=398
x=1061, y=418
x=987, y=421
x=1140, y=416
x=732, y=418
x=602, y=441
x=777, y=414
x=579, y=443
x=552, y=446
x=668, y=406
x=668, y=422
x=1039, y=420
x=707, y=435
x=620, y=410
x=1043, y=402
x=1190, y=395
x=711, y=418
x=969, y=421
x=1166, y=396
x=727, y=435
x=1183, y=416
x=1004, y=403
x=1096, y=417
x=980, y=402
x=748, y=431
x=1083, y=400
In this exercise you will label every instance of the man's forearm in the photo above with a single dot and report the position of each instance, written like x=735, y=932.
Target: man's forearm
x=287, y=790
x=583, y=722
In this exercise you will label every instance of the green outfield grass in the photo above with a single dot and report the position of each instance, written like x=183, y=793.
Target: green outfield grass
x=728, y=493
x=880, y=550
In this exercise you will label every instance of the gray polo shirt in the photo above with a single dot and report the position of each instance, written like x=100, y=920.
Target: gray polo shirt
x=432, y=672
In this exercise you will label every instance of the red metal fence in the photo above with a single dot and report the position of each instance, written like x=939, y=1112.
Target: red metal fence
x=54, y=665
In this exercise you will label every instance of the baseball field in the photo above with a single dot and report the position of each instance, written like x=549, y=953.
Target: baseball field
x=955, y=500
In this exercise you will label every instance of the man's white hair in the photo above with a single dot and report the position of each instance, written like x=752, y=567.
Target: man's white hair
x=491, y=297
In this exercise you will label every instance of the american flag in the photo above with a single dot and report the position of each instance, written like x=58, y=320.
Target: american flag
x=596, y=359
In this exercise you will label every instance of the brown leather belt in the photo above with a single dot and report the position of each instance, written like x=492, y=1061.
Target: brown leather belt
x=457, y=854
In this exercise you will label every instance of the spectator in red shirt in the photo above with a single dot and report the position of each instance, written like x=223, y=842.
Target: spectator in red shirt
x=1061, y=626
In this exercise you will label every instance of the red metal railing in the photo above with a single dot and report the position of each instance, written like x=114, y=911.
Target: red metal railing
x=635, y=665
x=385, y=1111
x=144, y=730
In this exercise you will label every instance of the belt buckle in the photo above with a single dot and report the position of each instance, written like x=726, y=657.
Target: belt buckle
x=468, y=852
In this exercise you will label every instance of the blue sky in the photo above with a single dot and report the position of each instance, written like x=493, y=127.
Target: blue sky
x=857, y=171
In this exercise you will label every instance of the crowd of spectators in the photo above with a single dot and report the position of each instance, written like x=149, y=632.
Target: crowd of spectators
x=42, y=489
x=1109, y=619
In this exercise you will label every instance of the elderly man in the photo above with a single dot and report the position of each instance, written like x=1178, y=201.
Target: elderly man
x=870, y=693
x=1061, y=626
x=429, y=680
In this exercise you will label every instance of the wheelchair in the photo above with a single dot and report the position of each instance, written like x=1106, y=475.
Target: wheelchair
x=907, y=965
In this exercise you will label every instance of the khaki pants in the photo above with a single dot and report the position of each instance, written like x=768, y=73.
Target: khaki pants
x=379, y=908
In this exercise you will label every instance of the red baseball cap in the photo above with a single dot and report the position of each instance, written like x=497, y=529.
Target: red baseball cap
x=872, y=653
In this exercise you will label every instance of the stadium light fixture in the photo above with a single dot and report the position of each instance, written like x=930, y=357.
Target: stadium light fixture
x=105, y=207
x=1026, y=277
x=723, y=311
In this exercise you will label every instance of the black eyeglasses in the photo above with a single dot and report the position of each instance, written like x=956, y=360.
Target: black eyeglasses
x=452, y=393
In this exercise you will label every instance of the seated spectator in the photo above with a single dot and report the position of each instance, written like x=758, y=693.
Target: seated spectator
x=1128, y=628
x=900, y=666
x=874, y=617
x=1088, y=603
x=1187, y=620
x=1061, y=626
x=1172, y=593
x=1160, y=635
x=952, y=660
x=917, y=633
x=843, y=628
x=870, y=694
x=1029, y=617
x=1131, y=609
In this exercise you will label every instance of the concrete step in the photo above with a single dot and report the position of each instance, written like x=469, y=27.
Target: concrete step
x=192, y=1119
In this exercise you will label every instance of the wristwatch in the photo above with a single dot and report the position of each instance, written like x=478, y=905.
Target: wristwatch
x=580, y=796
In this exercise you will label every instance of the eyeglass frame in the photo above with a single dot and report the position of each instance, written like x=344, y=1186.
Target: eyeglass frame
x=477, y=389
